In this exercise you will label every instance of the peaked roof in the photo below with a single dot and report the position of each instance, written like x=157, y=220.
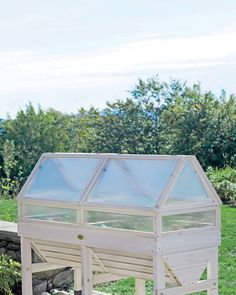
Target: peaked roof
x=139, y=181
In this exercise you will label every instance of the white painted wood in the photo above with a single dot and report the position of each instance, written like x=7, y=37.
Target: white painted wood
x=212, y=291
x=200, y=207
x=44, y=266
x=97, y=259
x=106, y=277
x=77, y=279
x=86, y=271
x=118, y=240
x=45, y=248
x=94, y=179
x=140, y=287
x=200, y=286
x=125, y=259
x=159, y=278
x=190, y=275
x=182, y=241
x=131, y=273
x=179, y=256
x=161, y=201
x=207, y=184
x=21, y=193
x=188, y=259
x=26, y=262
x=119, y=265
x=143, y=211
x=212, y=272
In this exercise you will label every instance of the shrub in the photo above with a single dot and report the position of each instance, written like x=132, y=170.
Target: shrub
x=224, y=182
x=10, y=274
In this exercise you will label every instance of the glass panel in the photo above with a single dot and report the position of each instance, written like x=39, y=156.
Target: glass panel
x=49, y=213
x=132, y=182
x=188, y=220
x=62, y=179
x=188, y=188
x=121, y=221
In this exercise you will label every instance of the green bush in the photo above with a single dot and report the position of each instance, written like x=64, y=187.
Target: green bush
x=224, y=182
x=10, y=274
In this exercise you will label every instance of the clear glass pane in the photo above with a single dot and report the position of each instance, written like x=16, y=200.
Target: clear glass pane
x=188, y=188
x=120, y=221
x=132, y=182
x=188, y=220
x=49, y=213
x=62, y=179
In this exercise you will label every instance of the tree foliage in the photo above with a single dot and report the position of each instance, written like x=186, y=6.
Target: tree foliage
x=157, y=118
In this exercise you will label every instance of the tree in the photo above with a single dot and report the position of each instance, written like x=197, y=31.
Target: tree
x=125, y=127
x=34, y=132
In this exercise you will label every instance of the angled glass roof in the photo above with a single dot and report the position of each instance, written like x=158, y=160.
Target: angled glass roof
x=132, y=181
x=62, y=179
x=188, y=188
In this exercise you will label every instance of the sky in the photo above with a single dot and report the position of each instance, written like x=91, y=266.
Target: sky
x=81, y=53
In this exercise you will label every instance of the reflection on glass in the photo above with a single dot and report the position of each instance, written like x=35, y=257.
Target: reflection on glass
x=120, y=221
x=188, y=220
x=62, y=179
x=132, y=182
x=49, y=213
x=188, y=188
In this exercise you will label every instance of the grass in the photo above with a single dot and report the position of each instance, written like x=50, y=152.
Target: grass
x=8, y=210
x=227, y=254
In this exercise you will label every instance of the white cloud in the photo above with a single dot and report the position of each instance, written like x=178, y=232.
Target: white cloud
x=29, y=71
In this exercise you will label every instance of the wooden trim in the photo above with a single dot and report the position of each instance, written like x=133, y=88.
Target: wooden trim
x=137, y=242
x=118, y=208
x=20, y=195
x=205, y=181
x=140, y=287
x=115, y=156
x=200, y=286
x=195, y=207
x=171, y=183
x=86, y=271
x=26, y=264
x=77, y=279
x=44, y=266
x=93, y=180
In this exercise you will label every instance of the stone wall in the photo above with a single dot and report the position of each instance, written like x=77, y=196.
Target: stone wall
x=42, y=282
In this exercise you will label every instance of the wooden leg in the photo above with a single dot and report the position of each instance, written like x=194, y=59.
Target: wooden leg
x=77, y=281
x=212, y=272
x=87, y=274
x=26, y=262
x=159, y=274
x=139, y=287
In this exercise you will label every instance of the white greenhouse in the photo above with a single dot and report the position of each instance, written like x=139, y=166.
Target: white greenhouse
x=113, y=216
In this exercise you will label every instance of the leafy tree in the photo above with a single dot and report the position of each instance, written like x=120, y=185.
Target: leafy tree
x=34, y=132
x=125, y=127
x=9, y=182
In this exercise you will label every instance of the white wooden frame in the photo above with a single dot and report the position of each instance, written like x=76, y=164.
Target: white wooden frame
x=158, y=244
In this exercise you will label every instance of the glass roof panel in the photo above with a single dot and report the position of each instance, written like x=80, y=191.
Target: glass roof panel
x=62, y=179
x=131, y=182
x=188, y=188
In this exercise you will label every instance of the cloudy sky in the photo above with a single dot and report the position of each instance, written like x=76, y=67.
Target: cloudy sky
x=68, y=54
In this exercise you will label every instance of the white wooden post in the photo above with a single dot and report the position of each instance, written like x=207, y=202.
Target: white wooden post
x=26, y=266
x=77, y=281
x=87, y=274
x=212, y=272
x=158, y=274
x=139, y=287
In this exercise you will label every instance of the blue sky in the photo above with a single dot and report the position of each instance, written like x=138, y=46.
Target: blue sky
x=77, y=53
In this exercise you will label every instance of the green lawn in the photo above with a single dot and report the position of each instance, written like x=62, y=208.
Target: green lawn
x=8, y=210
x=227, y=253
